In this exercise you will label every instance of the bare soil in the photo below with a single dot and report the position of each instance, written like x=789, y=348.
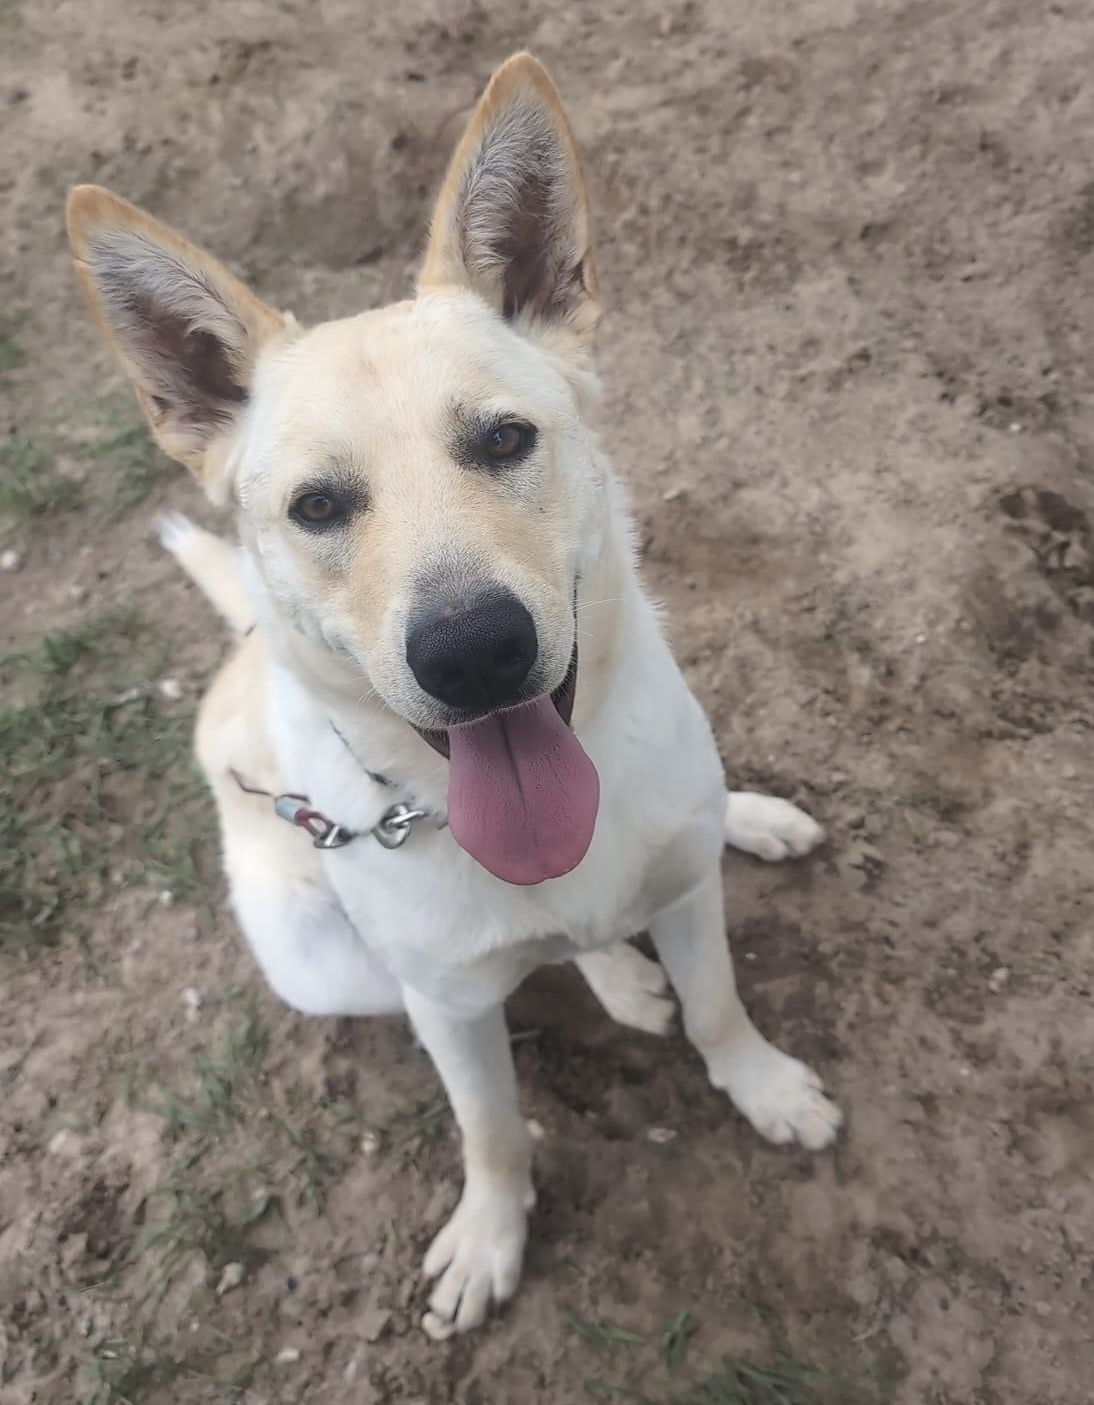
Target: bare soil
x=848, y=252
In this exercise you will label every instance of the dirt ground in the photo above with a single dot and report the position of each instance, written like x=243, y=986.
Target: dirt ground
x=848, y=252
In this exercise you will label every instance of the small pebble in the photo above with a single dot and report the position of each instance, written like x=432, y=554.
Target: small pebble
x=998, y=979
x=166, y=898
x=660, y=1135
x=349, y=1374
x=171, y=689
x=10, y=560
x=77, y=594
x=287, y=1355
x=672, y=494
x=191, y=998
x=231, y=1278
x=57, y=1142
x=535, y=1130
x=370, y=1143
x=921, y=639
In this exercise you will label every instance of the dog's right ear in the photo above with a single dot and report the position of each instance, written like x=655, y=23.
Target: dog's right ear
x=186, y=332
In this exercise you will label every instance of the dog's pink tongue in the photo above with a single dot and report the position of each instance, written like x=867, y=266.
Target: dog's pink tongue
x=522, y=795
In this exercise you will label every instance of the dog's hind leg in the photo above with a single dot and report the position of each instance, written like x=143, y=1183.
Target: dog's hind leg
x=781, y=1097
x=632, y=988
x=309, y=952
x=770, y=828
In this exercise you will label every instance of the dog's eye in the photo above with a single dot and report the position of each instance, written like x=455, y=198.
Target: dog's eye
x=317, y=510
x=511, y=440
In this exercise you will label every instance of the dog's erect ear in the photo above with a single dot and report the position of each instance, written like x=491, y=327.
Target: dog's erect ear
x=512, y=218
x=186, y=332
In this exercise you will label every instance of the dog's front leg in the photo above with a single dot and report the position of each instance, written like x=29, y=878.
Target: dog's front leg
x=477, y=1257
x=781, y=1097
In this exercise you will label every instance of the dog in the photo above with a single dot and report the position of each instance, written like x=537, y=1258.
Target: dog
x=447, y=672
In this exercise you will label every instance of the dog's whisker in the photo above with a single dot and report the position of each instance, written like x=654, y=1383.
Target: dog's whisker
x=588, y=604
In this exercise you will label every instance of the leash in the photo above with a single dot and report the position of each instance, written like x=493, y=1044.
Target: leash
x=391, y=830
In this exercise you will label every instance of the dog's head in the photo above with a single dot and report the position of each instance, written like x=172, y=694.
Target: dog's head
x=415, y=484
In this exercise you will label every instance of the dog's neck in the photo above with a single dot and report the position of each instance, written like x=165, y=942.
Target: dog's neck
x=383, y=744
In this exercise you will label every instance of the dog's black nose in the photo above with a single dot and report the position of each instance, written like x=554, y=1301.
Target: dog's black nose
x=474, y=657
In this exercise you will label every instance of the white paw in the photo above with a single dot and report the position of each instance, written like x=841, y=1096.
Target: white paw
x=632, y=988
x=781, y=1097
x=770, y=828
x=476, y=1260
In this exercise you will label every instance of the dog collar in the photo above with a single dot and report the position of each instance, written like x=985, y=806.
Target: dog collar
x=391, y=830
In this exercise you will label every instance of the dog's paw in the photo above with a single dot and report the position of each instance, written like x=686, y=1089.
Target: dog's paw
x=770, y=828
x=632, y=988
x=781, y=1097
x=476, y=1260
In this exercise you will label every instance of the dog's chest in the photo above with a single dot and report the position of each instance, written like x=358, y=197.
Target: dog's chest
x=436, y=917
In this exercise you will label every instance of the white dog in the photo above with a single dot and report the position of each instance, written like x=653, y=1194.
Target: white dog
x=451, y=648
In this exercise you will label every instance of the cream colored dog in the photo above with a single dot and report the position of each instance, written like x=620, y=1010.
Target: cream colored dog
x=451, y=648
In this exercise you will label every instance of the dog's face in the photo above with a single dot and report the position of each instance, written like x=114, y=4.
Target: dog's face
x=415, y=484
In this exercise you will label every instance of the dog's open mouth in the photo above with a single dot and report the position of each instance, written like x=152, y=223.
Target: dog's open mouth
x=522, y=794
x=562, y=697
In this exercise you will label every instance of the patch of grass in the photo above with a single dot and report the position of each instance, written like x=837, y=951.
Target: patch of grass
x=134, y=463
x=123, y=1373
x=603, y=1336
x=786, y=1383
x=222, y=1085
x=214, y=1223
x=676, y=1336
x=222, y=1096
x=10, y=355
x=30, y=486
x=98, y=775
x=422, y=1126
x=314, y=1164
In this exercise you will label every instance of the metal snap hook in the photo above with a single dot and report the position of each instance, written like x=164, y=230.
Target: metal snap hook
x=394, y=826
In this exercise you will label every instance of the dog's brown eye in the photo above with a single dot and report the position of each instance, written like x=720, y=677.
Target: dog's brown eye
x=509, y=441
x=317, y=510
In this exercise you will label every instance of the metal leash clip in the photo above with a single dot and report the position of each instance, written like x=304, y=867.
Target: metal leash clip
x=393, y=828
x=325, y=834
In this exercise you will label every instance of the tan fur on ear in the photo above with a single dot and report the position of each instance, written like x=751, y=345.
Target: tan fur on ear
x=185, y=331
x=512, y=218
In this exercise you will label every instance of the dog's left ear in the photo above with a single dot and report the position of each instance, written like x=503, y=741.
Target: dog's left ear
x=512, y=218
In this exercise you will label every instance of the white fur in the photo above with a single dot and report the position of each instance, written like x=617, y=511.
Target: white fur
x=363, y=930
x=321, y=693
